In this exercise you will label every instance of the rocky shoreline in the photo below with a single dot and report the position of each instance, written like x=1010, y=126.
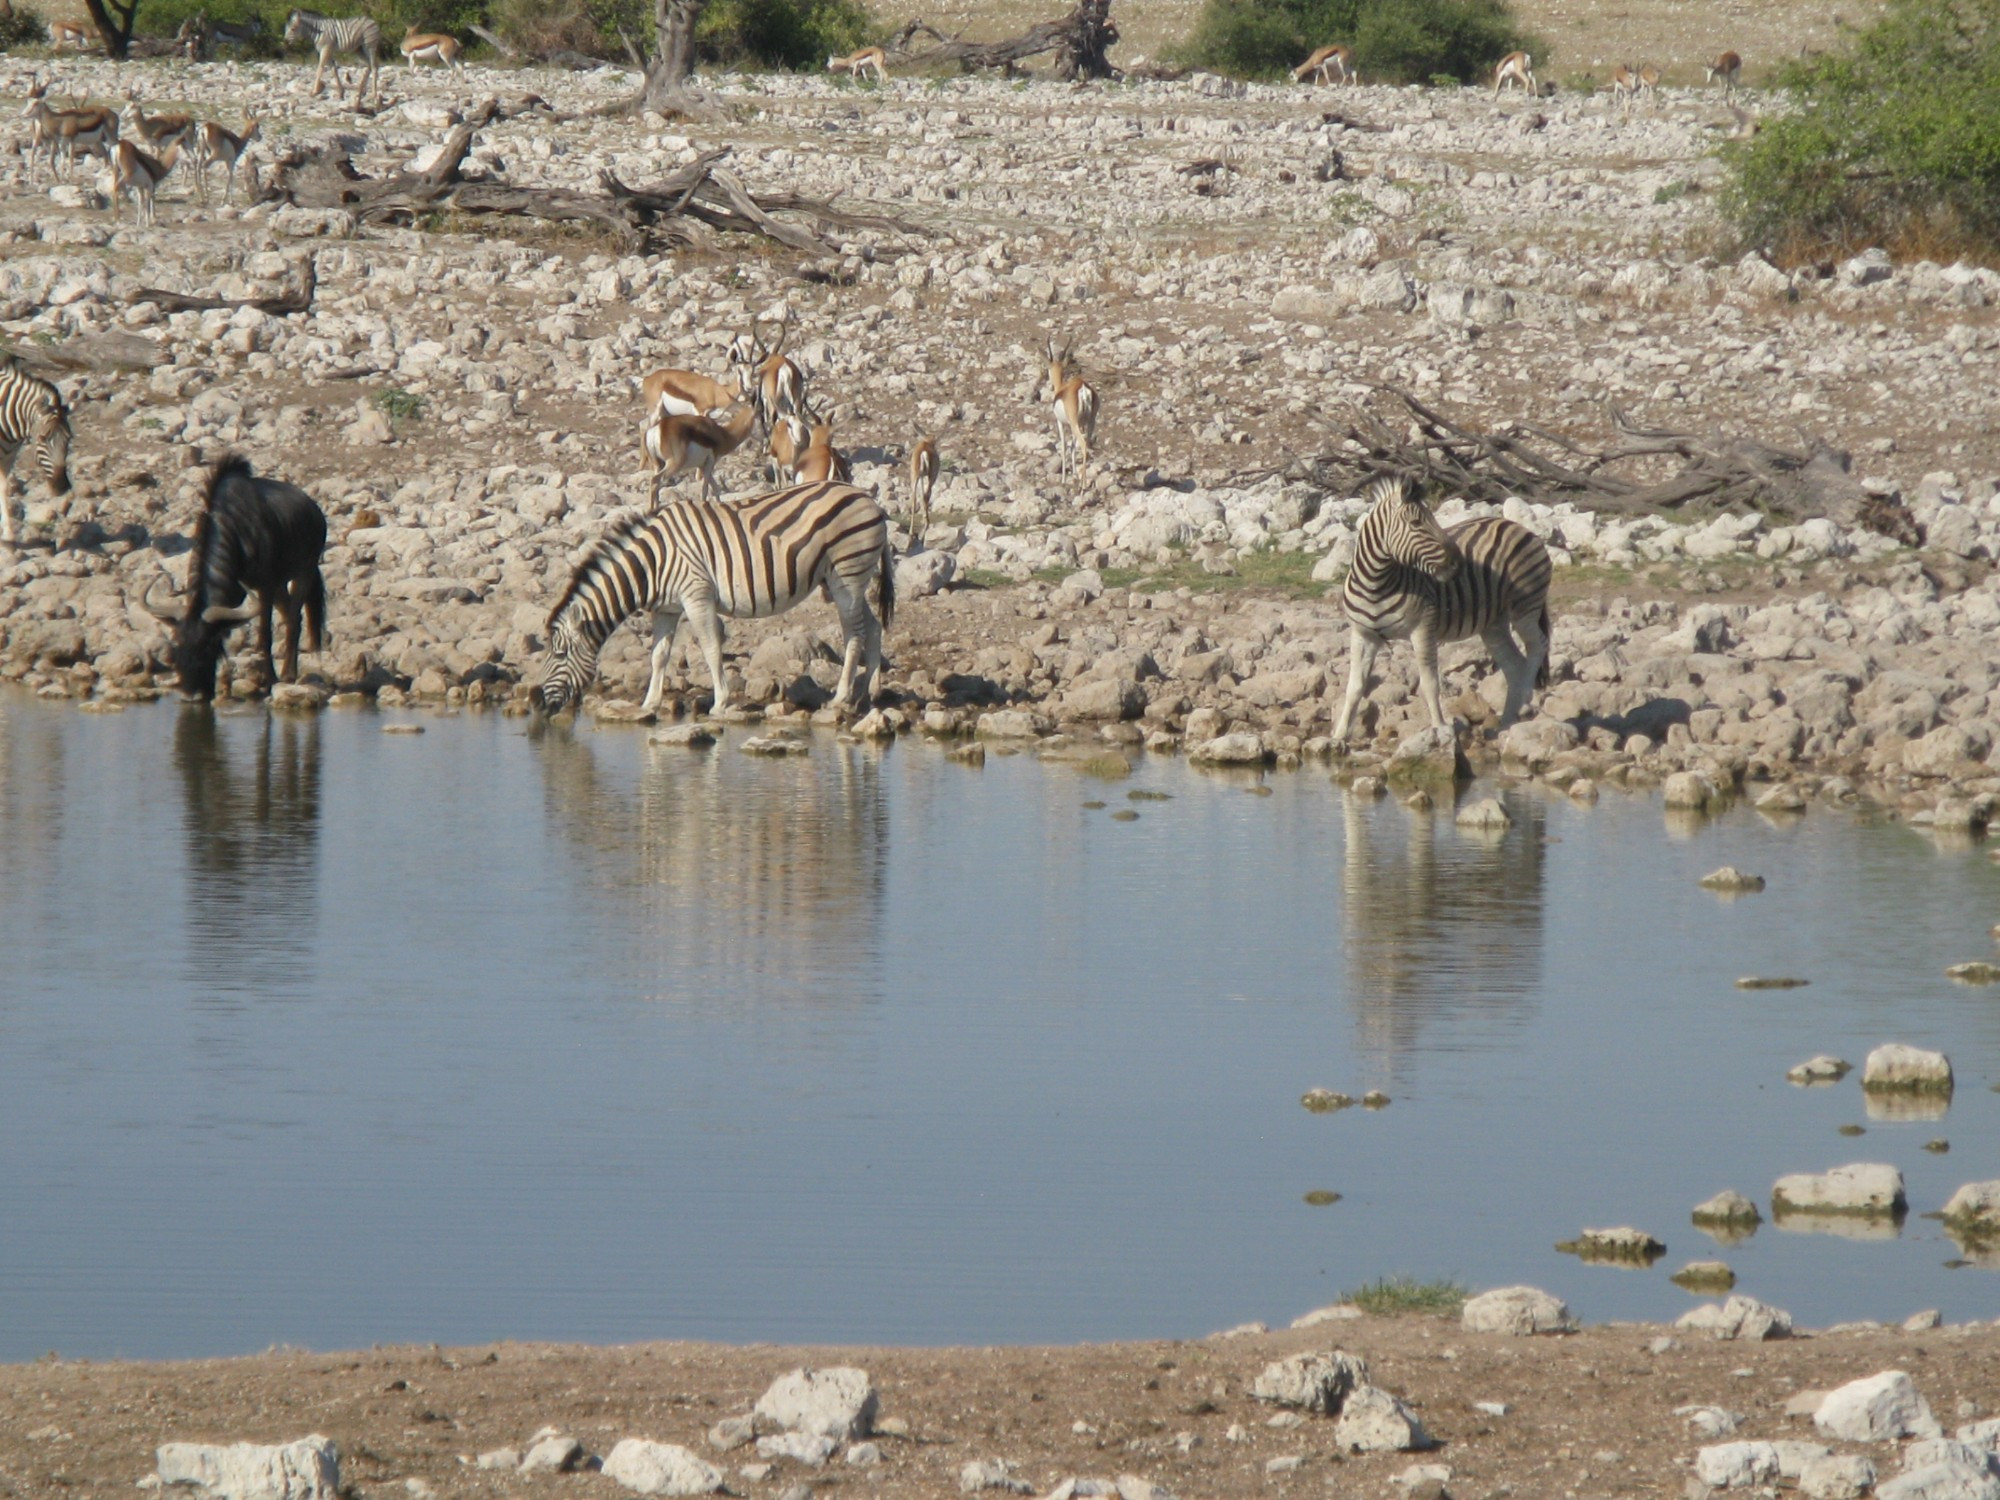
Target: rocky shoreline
x=464, y=407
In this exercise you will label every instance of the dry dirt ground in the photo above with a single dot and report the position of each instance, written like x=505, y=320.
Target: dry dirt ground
x=1582, y=36
x=1588, y=1415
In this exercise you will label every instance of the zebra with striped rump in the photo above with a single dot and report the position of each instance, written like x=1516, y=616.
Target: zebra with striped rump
x=336, y=37
x=31, y=411
x=1412, y=579
x=703, y=559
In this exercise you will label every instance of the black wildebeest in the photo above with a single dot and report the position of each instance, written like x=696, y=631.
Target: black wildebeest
x=256, y=548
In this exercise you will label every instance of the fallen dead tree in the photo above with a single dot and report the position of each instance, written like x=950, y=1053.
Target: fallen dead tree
x=690, y=206
x=1641, y=470
x=1079, y=41
x=299, y=299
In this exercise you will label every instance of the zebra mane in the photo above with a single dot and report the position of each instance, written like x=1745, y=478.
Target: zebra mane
x=1387, y=487
x=616, y=535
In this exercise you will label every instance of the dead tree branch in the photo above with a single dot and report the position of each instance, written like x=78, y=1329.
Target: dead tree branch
x=298, y=300
x=1079, y=40
x=1641, y=470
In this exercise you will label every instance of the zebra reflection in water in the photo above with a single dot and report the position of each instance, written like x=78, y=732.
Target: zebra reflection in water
x=1438, y=923
x=760, y=878
x=251, y=811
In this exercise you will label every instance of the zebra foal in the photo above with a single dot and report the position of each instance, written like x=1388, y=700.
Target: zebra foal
x=1412, y=579
x=31, y=411
x=703, y=559
x=336, y=37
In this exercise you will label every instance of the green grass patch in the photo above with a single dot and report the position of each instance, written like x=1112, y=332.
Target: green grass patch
x=398, y=404
x=1401, y=1296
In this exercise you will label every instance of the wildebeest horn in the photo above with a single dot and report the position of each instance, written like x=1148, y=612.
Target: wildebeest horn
x=146, y=603
x=217, y=614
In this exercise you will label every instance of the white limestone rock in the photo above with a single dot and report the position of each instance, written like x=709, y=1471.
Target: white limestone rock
x=1738, y=1318
x=308, y=1469
x=839, y=1403
x=1730, y=1466
x=1311, y=1382
x=1517, y=1310
x=1942, y=1482
x=1373, y=1421
x=1870, y=1189
x=1840, y=1476
x=1876, y=1409
x=1894, y=1067
x=650, y=1468
x=1975, y=1208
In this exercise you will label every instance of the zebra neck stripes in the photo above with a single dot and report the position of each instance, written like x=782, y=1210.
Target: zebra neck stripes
x=31, y=411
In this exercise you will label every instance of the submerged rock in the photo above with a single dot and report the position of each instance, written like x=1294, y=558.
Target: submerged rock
x=1895, y=1068
x=1822, y=1069
x=1864, y=1188
x=1623, y=1245
x=1727, y=1207
x=1705, y=1276
x=1974, y=1210
x=1731, y=881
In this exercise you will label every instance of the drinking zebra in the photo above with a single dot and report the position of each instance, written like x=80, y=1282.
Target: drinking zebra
x=335, y=37
x=1413, y=579
x=31, y=411
x=702, y=559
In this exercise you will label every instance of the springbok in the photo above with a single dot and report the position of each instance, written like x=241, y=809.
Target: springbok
x=1073, y=404
x=1517, y=68
x=1729, y=68
x=676, y=443
x=867, y=60
x=1328, y=65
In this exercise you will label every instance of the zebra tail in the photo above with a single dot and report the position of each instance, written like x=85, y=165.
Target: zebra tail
x=1542, y=672
x=888, y=585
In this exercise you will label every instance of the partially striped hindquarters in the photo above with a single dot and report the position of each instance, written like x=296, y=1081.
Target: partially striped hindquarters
x=758, y=556
x=1504, y=577
x=31, y=409
x=342, y=33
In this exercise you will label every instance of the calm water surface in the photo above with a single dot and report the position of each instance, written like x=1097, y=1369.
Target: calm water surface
x=316, y=1034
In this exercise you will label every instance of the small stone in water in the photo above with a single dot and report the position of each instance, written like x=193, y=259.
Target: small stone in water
x=1732, y=880
x=1754, y=982
x=1124, y=815
x=1974, y=973
x=1822, y=1069
x=1320, y=1101
x=1374, y=1099
x=1321, y=1197
x=1140, y=794
x=1854, y=1130
x=1093, y=807
x=1937, y=1147
x=1705, y=1276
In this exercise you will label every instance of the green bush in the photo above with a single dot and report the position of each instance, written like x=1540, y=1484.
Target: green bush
x=780, y=33
x=22, y=28
x=1895, y=141
x=1394, y=41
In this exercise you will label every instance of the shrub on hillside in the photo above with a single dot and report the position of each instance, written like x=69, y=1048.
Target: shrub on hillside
x=1394, y=41
x=1895, y=141
x=780, y=33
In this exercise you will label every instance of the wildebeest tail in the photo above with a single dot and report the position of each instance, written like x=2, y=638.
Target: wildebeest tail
x=1548, y=650
x=887, y=586
x=315, y=610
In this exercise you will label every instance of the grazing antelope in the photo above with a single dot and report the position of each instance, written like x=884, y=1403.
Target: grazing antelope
x=139, y=174
x=160, y=131
x=213, y=144
x=789, y=442
x=1074, y=407
x=432, y=46
x=822, y=462
x=867, y=60
x=769, y=378
x=682, y=393
x=1649, y=84
x=1515, y=67
x=1623, y=83
x=67, y=34
x=923, y=479
x=1328, y=65
x=676, y=443
x=1729, y=68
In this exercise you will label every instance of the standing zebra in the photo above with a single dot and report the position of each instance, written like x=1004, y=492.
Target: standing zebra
x=1413, y=579
x=31, y=411
x=336, y=37
x=703, y=559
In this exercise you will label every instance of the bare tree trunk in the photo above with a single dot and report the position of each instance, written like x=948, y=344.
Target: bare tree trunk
x=113, y=21
x=673, y=53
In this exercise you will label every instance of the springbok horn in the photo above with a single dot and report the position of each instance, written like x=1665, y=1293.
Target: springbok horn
x=217, y=614
x=146, y=603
